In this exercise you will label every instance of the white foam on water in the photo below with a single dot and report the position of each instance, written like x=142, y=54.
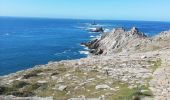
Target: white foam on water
x=58, y=53
x=80, y=27
x=84, y=52
x=106, y=30
x=86, y=48
x=96, y=37
x=62, y=52
x=93, y=32
x=97, y=25
x=92, y=36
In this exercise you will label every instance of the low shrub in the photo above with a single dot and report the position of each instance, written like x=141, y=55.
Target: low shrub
x=19, y=84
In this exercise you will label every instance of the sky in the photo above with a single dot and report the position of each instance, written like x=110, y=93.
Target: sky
x=153, y=10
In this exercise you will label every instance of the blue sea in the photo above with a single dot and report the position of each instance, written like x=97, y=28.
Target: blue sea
x=26, y=42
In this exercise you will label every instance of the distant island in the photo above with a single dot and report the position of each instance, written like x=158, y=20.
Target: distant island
x=122, y=65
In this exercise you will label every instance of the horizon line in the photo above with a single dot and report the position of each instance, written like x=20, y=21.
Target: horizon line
x=83, y=18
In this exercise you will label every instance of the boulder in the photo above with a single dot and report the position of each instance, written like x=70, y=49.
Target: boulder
x=143, y=57
x=103, y=86
x=62, y=87
x=97, y=29
x=41, y=82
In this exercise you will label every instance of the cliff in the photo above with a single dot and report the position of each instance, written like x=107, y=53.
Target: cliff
x=127, y=65
x=116, y=41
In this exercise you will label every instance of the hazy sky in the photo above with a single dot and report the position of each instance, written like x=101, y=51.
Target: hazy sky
x=88, y=9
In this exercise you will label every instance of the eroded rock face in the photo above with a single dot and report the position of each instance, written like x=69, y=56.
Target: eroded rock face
x=115, y=41
x=162, y=36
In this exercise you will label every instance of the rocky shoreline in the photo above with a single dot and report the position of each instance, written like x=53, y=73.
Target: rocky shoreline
x=112, y=42
x=125, y=65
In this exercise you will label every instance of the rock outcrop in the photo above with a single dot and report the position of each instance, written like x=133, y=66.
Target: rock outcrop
x=97, y=29
x=115, y=41
x=163, y=35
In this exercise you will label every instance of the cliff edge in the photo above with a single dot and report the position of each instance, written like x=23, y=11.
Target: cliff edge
x=126, y=65
x=116, y=41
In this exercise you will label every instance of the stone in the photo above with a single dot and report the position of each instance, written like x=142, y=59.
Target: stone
x=104, y=86
x=117, y=87
x=100, y=29
x=62, y=87
x=143, y=57
x=41, y=82
x=144, y=91
x=112, y=89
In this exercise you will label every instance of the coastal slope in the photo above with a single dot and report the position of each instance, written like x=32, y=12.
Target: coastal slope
x=124, y=65
x=117, y=41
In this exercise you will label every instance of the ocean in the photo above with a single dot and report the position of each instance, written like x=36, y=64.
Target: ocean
x=26, y=42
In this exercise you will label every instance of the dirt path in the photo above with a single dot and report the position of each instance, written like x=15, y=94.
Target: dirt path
x=160, y=84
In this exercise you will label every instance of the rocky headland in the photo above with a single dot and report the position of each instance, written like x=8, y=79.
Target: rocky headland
x=124, y=65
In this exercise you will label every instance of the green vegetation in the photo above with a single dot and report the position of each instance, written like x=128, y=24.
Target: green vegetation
x=16, y=89
x=130, y=94
x=155, y=64
x=119, y=50
x=55, y=73
x=19, y=84
x=78, y=82
x=21, y=93
x=32, y=74
x=137, y=93
x=62, y=69
x=32, y=87
x=5, y=90
x=155, y=48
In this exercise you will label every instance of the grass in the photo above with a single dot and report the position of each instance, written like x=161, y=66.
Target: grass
x=119, y=50
x=146, y=48
x=155, y=48
x=61, y=68
x=130, y=94
x=32, y=74
x=22, y=93
x=48, y=92
x=122, y=93
x=32, y=87
x=55, y=73
x=155, y=64
x=137, y=94
x=16, y=89
x=5, y=90
x=19, y=84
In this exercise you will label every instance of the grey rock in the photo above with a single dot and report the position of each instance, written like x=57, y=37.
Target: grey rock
x=114, y=41
x=62, y=87
x=103, y=86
